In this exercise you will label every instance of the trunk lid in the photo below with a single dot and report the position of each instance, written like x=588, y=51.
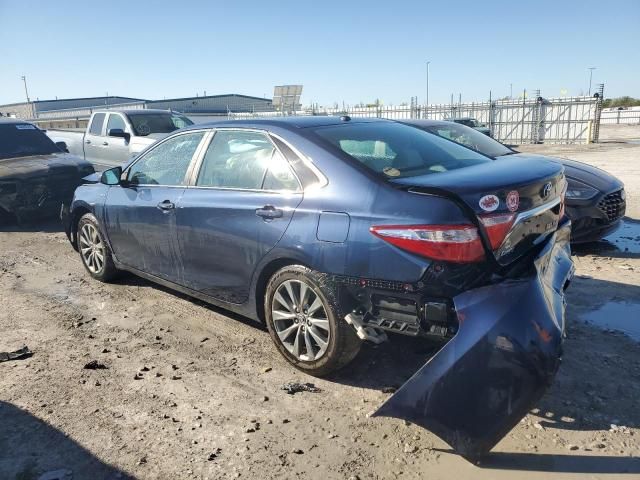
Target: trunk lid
x=531, y=191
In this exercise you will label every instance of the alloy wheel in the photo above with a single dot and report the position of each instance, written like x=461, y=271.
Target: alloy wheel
x=91, y=248
x=300, y=320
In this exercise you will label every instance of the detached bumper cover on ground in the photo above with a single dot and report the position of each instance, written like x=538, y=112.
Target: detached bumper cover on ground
x=505, y=355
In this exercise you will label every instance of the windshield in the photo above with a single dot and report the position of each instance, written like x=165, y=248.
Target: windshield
x=470, y=138
x=23, y=140
x=395, y=150
x=147, y=123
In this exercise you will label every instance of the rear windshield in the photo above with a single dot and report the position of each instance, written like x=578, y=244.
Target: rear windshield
x=470, y=138
x=147, y=123
x=395, y=150
x=23, y=140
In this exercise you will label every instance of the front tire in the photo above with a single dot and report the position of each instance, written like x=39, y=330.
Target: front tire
x=305, y=321
x=94, y=251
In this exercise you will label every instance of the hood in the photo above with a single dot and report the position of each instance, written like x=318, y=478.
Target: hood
x=587, y=174
x=18, y=167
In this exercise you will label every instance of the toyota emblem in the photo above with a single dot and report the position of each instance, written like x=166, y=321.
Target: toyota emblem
x=546, y=190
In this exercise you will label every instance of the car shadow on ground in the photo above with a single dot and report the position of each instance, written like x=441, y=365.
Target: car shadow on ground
x=30, y=447
x=8, y=224
x=557, y=463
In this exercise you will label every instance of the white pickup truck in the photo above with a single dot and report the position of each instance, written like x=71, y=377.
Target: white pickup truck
x=112, y=137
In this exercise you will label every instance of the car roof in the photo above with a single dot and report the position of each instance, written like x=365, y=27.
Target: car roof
x=426, y=123
x=290, y=123
x=13, y=120
x=134, y=111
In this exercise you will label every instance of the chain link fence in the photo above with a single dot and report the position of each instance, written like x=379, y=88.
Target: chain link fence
x=512, y=121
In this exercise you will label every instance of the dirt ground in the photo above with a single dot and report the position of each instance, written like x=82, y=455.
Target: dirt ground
x=191, y=391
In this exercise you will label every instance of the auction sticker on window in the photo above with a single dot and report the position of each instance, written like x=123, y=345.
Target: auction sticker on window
x=25, y=126
x=489, y=203
x=513, y=200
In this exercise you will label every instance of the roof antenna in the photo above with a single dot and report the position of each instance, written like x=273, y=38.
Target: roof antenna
x=345, y=118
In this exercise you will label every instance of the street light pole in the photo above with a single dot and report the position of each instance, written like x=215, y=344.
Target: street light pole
x=427, y=102
x=24, y=79
x=591, y=69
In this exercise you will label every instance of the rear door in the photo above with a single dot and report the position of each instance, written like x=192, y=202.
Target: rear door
x=93, y=139
x=140, y=216
x=242, y=199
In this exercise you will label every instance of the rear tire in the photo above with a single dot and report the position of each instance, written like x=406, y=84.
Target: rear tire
x=307, y=311
x=94, y=251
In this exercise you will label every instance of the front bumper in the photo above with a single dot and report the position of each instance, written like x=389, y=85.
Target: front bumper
x=501, y=361
x=596, y=218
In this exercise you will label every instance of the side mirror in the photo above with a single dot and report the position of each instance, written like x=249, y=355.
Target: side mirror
x=62, y=146
x=118, y=132
x=111, y=176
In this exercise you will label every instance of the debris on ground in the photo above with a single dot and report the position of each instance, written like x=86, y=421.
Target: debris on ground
x=293, y=388
x=213, y=455
x=95, y=365
x=20, y=354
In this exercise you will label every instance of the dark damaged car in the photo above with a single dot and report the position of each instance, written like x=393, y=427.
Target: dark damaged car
x=36, y=175
x=335, y=231
x=596, y=200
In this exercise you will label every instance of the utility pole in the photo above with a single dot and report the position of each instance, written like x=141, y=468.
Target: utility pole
x=427, y=102
x=24, y=79
x=591, y=69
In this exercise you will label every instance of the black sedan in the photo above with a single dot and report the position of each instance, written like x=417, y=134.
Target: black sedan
x=36, y=175
x=595, y=199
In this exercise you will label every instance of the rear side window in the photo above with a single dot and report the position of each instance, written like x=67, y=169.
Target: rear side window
x=245, y=160
x=167, y=163
x=96, y=124
x=395, y=150
x=279, y=175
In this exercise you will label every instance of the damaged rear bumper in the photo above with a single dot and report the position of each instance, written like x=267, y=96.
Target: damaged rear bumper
x=502, y=359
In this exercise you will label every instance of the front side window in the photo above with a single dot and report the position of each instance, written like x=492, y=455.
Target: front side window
x=245, y=160
x=395, y=150
x=96, y=124
x=115, y=121
x=167, y=163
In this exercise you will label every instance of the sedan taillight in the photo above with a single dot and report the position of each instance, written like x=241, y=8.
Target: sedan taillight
x=451, y=243
x=497, y=226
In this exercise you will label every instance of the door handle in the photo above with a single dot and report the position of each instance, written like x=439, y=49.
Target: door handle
x=166, y=205
x=88, y=141
x=105, y=143
x=269, y=212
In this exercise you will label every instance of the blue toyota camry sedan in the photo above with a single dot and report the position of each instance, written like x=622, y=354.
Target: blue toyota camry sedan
x=334, y=231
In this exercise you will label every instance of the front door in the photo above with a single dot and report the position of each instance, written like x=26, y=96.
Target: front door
x=243, y=199
x=116, y=151
x=140, y=215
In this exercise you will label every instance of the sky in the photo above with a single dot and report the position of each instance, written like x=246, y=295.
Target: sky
x=340, y=51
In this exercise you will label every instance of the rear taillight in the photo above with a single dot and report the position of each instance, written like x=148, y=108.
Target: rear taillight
x=451, y=243
x=497, y=226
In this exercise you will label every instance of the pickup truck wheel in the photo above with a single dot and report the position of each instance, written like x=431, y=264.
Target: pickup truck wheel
x=94, y=251
x=306, y=322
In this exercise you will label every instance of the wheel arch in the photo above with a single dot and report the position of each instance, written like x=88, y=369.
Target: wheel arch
x=265, y=275
x=76, y=215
